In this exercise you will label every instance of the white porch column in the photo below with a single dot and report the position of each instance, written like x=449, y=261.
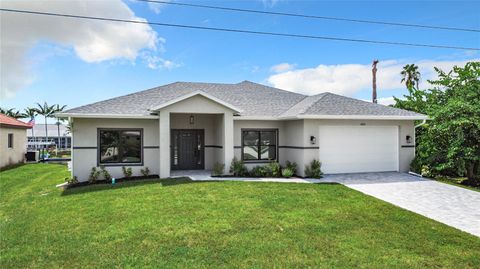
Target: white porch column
x=164, y=138
x=227, y=140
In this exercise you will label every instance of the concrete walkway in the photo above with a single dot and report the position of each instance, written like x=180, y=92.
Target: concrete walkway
x=451, y=205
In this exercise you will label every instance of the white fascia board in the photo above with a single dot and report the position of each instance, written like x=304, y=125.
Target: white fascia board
x=332, y=117
x=362, y=117
x=204, y=94
x=105, y=116
x=256, y=118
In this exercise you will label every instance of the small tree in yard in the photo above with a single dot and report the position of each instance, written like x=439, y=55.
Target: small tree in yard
x=450, y=142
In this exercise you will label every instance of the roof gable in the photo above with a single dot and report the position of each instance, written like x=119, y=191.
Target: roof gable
x=197, y=93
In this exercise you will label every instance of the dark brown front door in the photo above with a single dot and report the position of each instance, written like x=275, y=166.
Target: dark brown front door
x=187, y=150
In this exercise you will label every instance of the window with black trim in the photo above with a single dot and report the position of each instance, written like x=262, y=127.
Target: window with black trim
x=259, y=145
x=10, y=141
x=120, y=146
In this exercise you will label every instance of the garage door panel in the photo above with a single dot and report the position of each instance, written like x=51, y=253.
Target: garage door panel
x=350, y=149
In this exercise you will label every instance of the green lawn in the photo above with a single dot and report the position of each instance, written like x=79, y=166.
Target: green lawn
x=177, y=223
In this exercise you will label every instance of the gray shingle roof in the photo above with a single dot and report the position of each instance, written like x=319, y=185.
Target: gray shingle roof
x=252, y=98
x=333, y=104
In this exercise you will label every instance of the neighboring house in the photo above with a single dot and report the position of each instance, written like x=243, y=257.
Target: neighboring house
x=187, y=126
x=36, y=136
x=13, y=141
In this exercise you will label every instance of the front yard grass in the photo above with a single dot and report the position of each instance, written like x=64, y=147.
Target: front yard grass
x=179, y=223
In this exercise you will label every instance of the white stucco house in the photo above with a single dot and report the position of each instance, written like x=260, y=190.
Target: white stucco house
x=185, y=126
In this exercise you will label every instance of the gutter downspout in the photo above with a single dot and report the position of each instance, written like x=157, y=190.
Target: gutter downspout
x=422, y=123
x=415, y=130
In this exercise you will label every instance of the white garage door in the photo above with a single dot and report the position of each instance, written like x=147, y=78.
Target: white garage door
x=354, y=149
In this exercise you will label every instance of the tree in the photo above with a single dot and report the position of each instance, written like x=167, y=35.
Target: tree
x=30, y=113
x=411, y=76
x=57, y=109
x=47, y=112
x=11, y=112
x=450, y=143
x=455, y=126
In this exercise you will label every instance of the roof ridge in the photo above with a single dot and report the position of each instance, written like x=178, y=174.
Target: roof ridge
x=303, y=110
x=323, y=94
x=273, y=88
x=288, y=109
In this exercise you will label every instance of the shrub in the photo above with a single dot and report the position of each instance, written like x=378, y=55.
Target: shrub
x=145, y=172
x=257, y=171
x=105, y=173
x=273, y=169
x=238, y=168
x=127, y=172
x=313, y=169
x=287, y=172
x=218, y=169
x=71, y=180
x=93, y=177
x=291, y=166
x=416, y=165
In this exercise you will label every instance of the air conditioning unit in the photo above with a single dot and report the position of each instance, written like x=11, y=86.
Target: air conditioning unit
x=32, y=156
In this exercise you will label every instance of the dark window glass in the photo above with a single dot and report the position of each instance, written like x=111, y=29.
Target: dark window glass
x=259, y=145
x=120, y=146
x=10, y=141
x=251, y=138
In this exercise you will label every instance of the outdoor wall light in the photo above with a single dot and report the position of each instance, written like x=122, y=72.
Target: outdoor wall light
x=313, y=140
x=409, y=139
x=192, y=119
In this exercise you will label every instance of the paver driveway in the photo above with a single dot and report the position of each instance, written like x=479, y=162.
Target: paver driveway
x=454, y=206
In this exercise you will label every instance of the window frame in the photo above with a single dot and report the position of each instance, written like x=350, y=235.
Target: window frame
x=259, y=130
x=10, y=140
x=99, y=148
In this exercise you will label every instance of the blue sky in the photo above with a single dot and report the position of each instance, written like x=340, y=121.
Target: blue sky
x=57, y=74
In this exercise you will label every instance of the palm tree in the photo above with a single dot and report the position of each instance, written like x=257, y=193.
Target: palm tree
x=11, y=112
x=47, y=112
x=411, y=76
x=59, y=108
x=30, y=113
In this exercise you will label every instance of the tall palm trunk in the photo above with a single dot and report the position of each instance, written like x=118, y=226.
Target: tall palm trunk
x=58, y=136
x=46, y=136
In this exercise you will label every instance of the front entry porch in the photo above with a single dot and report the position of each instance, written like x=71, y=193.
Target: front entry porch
x=194, y=141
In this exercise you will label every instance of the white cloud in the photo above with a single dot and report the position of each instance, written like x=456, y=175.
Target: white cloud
x=283, y=67
x=269, y=3
x=92, y=41
x=348, y=79
x=156, y=7
x=156, y=62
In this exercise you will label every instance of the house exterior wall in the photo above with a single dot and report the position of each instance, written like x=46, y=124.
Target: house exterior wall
x=84, y=149
x=11, y=156
x=293, y=137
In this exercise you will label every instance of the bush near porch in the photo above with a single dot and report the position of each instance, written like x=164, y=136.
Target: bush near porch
x=179, y=223
x=272, y=169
